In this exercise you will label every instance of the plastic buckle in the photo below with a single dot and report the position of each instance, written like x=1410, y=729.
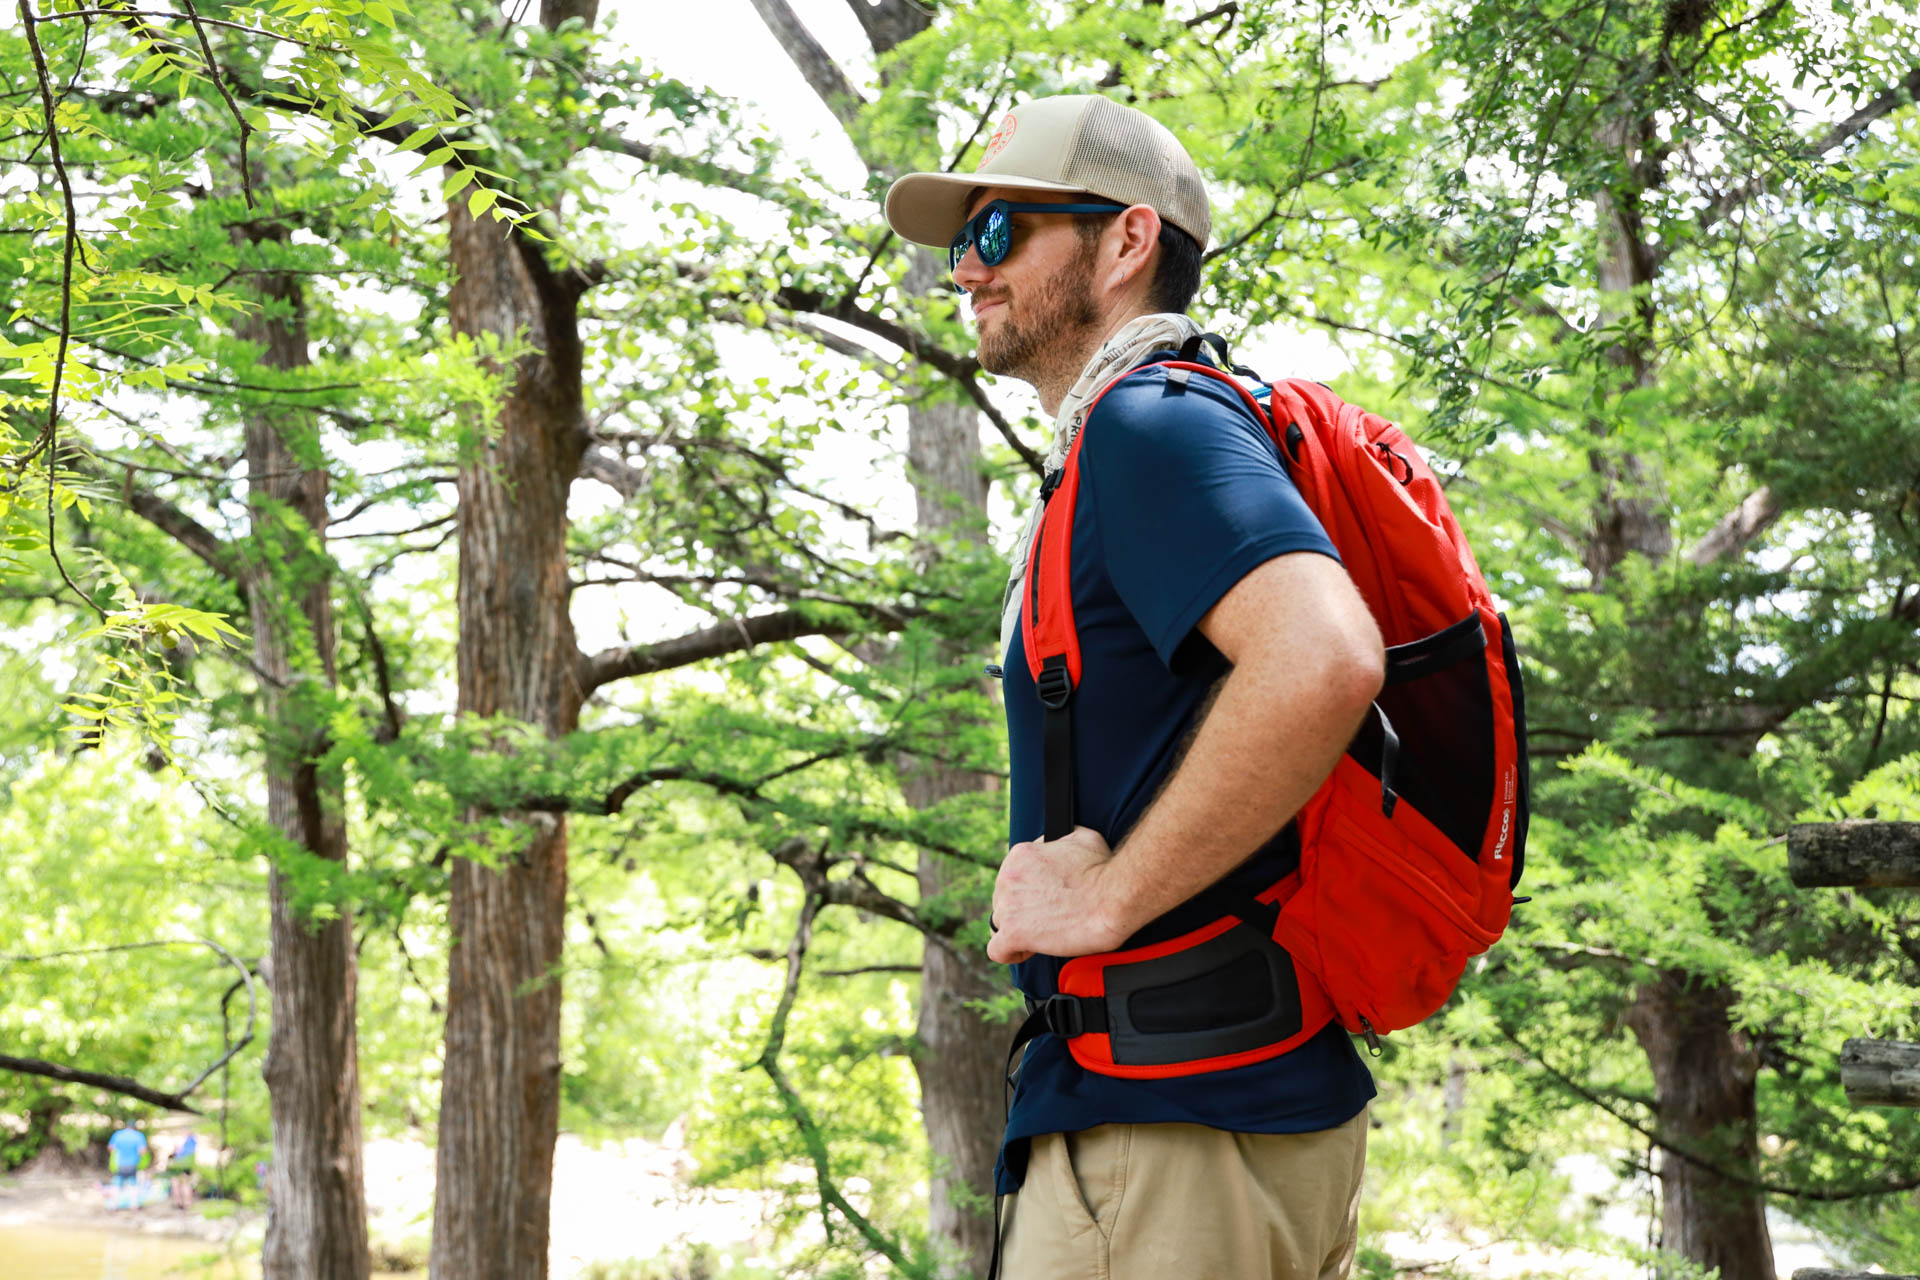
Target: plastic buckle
x=1055, y=685
x=1065, y=1018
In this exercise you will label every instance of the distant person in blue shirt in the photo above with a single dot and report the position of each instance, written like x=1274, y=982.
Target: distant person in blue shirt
x=126, y=1154
x=1226, y=661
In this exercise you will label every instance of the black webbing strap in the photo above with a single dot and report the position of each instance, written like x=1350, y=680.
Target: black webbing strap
x=1389, y=753
x=1261, y=917
x=1034, y=1025
x=1056, y=695
x=1063, y=1015
x=1190, y=349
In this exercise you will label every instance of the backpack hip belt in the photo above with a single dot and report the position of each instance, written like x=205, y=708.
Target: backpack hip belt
x=1221, y=996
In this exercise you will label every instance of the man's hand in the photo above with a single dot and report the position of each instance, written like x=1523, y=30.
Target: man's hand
x=1051, y=897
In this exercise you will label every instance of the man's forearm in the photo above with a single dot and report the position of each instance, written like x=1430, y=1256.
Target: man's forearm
x=1307, y=661
x=1271, y=737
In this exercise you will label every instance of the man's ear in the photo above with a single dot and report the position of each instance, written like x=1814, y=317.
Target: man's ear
x=1134, y=236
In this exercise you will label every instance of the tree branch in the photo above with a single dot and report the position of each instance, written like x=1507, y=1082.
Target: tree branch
x=835, y=343
x=1229, y=11
x=1822, y=1195
x=773, y=586
x=673, y=162
x=1756, y=512
x=736, y=635
x=626, y=480
x=1900, y=94
x=890, y=23
x=170, y=520
x=855, y=890
x=123, y=1085
x=796, y=1107
x=861, y=893
x=822, y=73
x=962, y=369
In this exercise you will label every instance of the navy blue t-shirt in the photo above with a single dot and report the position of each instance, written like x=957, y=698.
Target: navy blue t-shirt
x=1181, y=495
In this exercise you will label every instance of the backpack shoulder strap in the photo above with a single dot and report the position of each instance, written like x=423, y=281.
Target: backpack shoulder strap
x=1047, y=630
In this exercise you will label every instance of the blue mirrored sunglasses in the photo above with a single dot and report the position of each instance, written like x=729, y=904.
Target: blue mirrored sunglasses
x=990, y=231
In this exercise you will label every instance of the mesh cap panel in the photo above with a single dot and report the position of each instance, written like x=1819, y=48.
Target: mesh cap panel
x=1127, y=155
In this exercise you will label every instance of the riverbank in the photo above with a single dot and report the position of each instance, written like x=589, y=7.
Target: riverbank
x=625, y=1202
x=61, y=1190
x=615, y=1202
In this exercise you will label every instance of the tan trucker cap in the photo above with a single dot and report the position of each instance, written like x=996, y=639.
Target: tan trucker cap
x=1067, y=143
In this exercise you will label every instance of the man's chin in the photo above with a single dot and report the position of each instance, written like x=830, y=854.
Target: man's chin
x=999, y=353
x=996, y=363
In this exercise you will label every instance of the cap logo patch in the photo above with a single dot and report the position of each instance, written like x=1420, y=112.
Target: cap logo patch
x=1001, y=137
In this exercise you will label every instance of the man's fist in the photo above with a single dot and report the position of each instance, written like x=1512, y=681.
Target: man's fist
x=1057, y=897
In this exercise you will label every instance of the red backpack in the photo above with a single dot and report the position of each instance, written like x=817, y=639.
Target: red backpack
x=1409, y=851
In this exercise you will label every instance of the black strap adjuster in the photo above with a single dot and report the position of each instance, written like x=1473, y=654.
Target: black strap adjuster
x=1054, y=684
x=1069, y=1016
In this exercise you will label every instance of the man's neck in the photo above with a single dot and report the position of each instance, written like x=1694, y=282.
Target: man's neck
x=1071, y=362
x=1058, y=380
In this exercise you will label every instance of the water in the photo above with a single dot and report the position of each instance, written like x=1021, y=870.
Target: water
x=80, y=1253
x=91, y=1253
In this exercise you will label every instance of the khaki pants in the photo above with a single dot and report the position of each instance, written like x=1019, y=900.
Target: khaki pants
x=1185, y=1202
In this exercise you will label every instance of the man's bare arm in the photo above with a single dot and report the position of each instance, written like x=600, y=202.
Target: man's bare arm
x=1307, y=662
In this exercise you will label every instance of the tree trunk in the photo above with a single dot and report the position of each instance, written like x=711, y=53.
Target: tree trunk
x=1631, y=515
x=500, y=1087
x=1703, y=1075
x=962, y=1057
x=317, y=1229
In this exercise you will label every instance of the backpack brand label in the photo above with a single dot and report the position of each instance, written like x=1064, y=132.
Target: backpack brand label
x=1506, y=820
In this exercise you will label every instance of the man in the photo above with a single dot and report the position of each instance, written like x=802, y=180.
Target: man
x=126, y=1154
x=1226, y=662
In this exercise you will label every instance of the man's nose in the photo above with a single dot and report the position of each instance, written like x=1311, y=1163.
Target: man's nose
x=970, y=273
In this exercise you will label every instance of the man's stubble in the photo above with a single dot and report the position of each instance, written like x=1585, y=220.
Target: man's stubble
x=1059, y=316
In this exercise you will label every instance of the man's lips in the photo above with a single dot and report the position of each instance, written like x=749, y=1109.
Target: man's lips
x=981, y=308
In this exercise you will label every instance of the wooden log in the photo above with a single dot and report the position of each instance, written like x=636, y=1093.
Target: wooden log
x=1881, y=1073
x=1854, y=854
x=1821, y=1273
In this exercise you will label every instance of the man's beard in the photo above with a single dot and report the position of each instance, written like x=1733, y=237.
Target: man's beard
x=1062, y=306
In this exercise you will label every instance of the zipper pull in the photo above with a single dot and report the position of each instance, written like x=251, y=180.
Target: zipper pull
x=1372, y=1038
x=995, y=670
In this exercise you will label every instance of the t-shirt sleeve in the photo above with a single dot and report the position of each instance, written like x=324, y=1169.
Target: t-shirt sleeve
x=1190, y=496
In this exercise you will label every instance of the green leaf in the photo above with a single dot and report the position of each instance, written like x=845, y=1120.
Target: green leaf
x=433, y=161
x=418, y=136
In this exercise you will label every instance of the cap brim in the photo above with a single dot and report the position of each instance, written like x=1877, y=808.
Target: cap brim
x=929, y=208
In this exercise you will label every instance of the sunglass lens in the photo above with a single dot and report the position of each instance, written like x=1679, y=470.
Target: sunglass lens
x=994, y=237
x=990, y=233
